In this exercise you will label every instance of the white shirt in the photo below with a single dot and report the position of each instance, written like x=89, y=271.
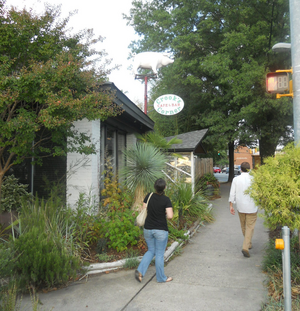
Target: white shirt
x=244, y=203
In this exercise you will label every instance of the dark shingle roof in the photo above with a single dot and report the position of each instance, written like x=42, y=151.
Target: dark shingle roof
x=191, y=141
x=132, y=117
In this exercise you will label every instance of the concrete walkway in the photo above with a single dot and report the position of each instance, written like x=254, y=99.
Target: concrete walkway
x=210, y=275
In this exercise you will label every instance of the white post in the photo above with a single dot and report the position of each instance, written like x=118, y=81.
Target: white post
x=286, y=269
x=295, y=49
x=193, y=172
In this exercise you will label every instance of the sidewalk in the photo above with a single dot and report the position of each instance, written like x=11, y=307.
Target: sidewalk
x=211, y=275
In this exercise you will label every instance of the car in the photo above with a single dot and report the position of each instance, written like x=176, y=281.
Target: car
x=225, y=170
x=217, y=170
x=237, y=170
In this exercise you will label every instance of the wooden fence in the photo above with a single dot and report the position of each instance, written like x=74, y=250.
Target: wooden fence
x=203, y=166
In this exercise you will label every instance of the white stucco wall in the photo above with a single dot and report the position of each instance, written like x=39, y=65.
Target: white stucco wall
x=83, y=172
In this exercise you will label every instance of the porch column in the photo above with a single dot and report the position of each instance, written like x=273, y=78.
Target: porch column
x=193, y=172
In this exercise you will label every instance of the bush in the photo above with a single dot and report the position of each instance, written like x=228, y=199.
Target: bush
x=13, y=194
x=7, y=259
x=43, y=260
x=275, y=188
x=119, y=229
x=207, y=179
x=45, y=247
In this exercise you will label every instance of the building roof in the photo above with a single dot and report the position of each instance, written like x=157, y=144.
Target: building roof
x=132, y=119
x=191, y=142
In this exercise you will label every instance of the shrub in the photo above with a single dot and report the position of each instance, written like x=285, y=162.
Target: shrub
x=207, y=179
x=119, y=229
x=275, y=188
x=115, y=196
x=7, y=259
x=13, y=194
x=43, y=259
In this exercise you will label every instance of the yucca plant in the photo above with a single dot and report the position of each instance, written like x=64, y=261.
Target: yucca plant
x=144, y=165
x=159, y=141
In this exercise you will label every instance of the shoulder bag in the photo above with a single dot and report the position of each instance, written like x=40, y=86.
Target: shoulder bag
x=140, y=219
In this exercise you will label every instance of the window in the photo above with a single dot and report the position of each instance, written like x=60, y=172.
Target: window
x=113, y=143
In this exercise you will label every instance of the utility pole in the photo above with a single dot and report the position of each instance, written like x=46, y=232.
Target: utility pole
x=295, y=49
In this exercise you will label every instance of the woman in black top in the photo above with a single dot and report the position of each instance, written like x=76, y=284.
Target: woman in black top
x=156, y=232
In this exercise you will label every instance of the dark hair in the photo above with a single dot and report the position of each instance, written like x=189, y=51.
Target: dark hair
x=245, y=167
x=160, y=186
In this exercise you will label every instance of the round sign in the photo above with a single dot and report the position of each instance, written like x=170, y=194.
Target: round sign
x=168, y=104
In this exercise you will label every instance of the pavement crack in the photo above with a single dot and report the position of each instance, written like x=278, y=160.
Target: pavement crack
x=127, y=304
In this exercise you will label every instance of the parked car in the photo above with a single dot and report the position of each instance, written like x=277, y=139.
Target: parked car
x=225, y=170
x=217, y=170
x=237, y=170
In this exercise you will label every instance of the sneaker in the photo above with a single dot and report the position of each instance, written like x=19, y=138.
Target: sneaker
x=245, y=253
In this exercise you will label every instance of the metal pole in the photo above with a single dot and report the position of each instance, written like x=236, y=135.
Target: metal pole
x=145, y=105
x=286, y=268
x=295, y=49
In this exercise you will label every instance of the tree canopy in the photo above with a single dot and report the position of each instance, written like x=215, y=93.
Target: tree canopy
x=49, y=78
x=222, y=53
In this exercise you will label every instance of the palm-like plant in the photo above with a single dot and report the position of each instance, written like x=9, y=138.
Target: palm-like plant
x=159, y=141
x=144, y=166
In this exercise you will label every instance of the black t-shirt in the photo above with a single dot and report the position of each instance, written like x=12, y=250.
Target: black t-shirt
x=156, y=212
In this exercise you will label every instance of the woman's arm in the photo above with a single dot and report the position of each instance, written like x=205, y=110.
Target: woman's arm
x=169, y=212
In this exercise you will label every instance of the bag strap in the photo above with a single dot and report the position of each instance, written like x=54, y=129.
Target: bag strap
x=149, y=199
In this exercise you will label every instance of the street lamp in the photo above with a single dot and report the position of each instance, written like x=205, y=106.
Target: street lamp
x=282, y=47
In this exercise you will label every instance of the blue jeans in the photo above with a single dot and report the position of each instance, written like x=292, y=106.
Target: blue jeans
x=157, y=242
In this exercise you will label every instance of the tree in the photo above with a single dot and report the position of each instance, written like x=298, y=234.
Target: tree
x=222, y=53
x=48, y=80
x=275, y=188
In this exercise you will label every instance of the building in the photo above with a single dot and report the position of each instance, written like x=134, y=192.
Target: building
x=79, y=173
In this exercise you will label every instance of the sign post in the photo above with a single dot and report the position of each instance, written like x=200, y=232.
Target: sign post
x=145, y=77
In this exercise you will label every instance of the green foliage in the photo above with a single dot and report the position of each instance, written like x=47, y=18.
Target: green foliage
x=119, y=229
x=43, y=260
x=275, y=188
x=278, y=305
x=207, y=179
x=104, y=257
x=186, y=205
x=114, y=195
x=143, y=167
x=46, y=246
x=175, y=233
x=273, y=259
x=9, y=301
x=48, y=80
x=83, y=226
x=131, y=261
x=159, y=141
x=7, y=259
x=13, y=194
x=222, y=52
x=272, y=265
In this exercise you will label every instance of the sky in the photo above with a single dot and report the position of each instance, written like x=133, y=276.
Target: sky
x=105, y=18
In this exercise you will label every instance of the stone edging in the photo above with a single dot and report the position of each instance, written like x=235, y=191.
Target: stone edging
x=108, y=266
